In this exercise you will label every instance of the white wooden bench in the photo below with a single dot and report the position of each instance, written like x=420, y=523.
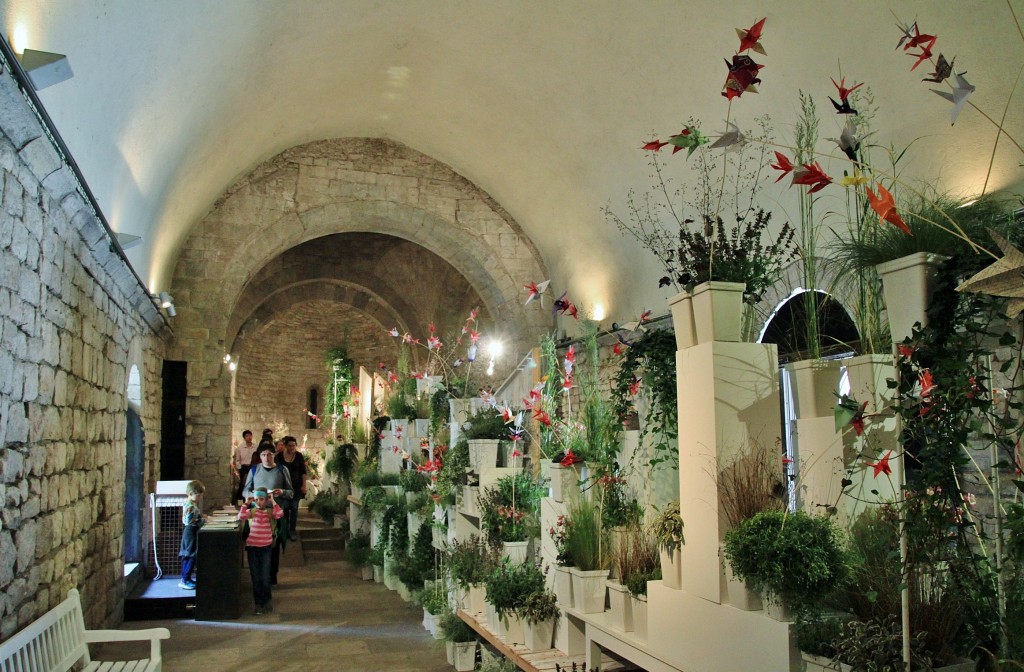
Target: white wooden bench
x=58, y=640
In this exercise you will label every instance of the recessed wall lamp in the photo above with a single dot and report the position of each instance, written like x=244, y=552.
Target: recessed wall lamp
x=165, y=301
x=45, y=68
x=227, y=358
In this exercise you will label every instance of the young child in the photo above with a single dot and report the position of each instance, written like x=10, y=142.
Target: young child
x=193, y=518
x=259, y=543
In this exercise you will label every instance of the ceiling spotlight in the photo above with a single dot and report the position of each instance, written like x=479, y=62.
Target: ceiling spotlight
x=494, y=348
x=233, y=366
x=45, y=68
x=227, y=358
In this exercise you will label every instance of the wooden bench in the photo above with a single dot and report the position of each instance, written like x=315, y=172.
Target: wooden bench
x=58, y=640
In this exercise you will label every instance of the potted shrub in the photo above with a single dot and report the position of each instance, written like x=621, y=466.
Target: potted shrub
x=483, y=431
x=508, y=586
x=469, y=563
x=636, y=586
x=539, y=613
x=508, y=514
x=749, y=483
x=587, y=548
x=668, y=532
x=793, y=559
x=358, y=553
x=433, y=601
x=460, y=639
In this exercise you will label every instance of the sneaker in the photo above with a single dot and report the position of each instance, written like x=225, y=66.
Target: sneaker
x=293, y=537
x=259, y=610
x=186, y=585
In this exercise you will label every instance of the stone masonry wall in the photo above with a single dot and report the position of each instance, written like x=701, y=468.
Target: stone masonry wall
x=73, y=319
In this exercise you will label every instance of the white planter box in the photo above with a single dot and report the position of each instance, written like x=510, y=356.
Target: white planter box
x=515, y=551
x=718, y=311
x=366, y=572
x=738, y=593
x=464, y=656
x=514, y=630
x=672, y=568
x=681, y=307
x=813, y=663
x=539, y=635
x=639, y=605
x=565, y=482
x=588, y=590
x=478, y=598
x=483, y=454
x=403, y=591
x=563, y=587
x=378, y=574
x=620, y=607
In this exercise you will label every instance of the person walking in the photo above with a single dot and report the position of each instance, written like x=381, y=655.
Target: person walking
x=275, y=480
x=263, y=514
x=295, y=462
x=243, y=457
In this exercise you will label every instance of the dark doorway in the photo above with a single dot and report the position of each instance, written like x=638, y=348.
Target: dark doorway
x=172, y=426
x=314, y=408
x=134, y=487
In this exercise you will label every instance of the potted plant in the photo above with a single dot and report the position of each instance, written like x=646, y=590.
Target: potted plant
x=668, y=531
x=358, y=553
x=559, y=533
x=434, y=604
x=469, y=563
x=635, y=555
x=749, y=483
x=587, y=547
x=636, y=586
x=539, y=613
x=460, y=639
x=699, y=252
x=793, y=559
x=508, y=514
x=483, y=431
x=508, y=586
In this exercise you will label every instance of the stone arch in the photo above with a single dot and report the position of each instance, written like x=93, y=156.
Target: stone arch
x=359, y=186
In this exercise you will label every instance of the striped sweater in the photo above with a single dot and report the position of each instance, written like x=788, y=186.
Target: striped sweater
x=261, y=533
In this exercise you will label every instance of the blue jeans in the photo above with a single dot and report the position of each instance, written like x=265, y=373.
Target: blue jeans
x=291, y=513
x=259, y=572
x=188, y=568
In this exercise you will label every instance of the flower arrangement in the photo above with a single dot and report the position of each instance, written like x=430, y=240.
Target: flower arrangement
x=508, y=509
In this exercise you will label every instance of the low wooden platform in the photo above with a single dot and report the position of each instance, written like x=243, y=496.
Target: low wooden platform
x=541, y=661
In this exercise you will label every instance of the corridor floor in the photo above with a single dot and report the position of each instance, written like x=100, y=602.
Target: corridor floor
x=325, y=618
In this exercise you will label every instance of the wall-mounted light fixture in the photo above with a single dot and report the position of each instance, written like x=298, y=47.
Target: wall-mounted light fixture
x=166, y=302
x=45, y=68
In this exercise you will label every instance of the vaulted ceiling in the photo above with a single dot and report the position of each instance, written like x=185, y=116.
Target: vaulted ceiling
x=543, y=105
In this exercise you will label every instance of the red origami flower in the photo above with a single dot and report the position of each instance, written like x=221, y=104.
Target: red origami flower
x=882, y=466
x=569, y=459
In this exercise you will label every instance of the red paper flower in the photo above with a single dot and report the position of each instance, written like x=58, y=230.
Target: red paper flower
x=882, y=466
x=569, y=459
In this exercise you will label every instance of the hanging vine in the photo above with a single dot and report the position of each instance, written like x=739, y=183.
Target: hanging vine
x=651, y=360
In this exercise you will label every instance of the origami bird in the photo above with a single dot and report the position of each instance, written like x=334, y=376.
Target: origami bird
x=784, y=165
x=751, y=38
x=848, y=140
x=926, y=54
x=535, y=290
x=918, y=39
x=849, y=412
x=843, y=107
x=811, y=174
x=561, y=304
x=653, y=145
x=689, y=139
x=885, y=206
x=881, y=466
x=731, y=139
x=961, y=92
x=742, y=76
x=1002, y=278
x=570, y=360
x=394, y=331
x=907, y=32
x=943, y=69
x=855, y=180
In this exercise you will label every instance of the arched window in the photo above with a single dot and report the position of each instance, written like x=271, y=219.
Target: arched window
x=313, y=404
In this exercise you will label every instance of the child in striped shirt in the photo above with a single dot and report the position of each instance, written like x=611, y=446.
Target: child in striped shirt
x=262, y=525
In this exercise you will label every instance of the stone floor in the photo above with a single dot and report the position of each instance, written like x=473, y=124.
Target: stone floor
x=325, y=618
